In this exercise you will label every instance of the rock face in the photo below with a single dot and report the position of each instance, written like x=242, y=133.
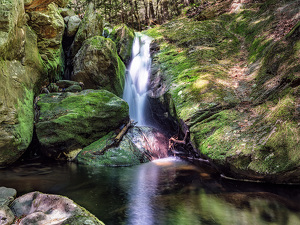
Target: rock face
x=97, y=65
x=91, y=25
x=140, y=144
x=20, y=75
x=41, y=5
x=73, y=25
x=68, y=121
x=238, y=96
x=49, y=26
x=123, y=37
x=39, y=208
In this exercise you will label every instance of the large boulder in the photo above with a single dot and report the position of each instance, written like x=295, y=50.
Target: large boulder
x=239, y=97
x=21, y=73
x=39, y=208
x=138, y=145
x=97, y=65
x=123, y=36
x=49, y=26
x=68, y=121
x=91, y=25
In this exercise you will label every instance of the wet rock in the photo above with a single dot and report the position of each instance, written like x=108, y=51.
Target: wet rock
x=39, y=208
x=97, y=65
x=7, y=195
x=70, y=121
x=123, y=36
x=125, y=154
x=138, y=145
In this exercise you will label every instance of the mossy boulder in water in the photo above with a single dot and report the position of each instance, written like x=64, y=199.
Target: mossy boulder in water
x=123, y=36
x=90, y=26
x=139, y=144
x=39, y=208
x=97, y=65
x=70, y=121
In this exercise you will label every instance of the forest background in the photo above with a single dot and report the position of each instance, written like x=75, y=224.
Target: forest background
x=140, y=14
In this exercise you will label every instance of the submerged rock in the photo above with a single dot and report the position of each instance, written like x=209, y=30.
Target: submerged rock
x=97, y=65
x=139, y=145
x=123, y=36
x=39, y=208
x=70, y=121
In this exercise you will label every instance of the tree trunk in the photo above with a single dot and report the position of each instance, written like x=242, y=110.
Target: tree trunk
x=151, y=10
x=146, y=12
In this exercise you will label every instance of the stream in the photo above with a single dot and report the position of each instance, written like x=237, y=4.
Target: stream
x=165, y=191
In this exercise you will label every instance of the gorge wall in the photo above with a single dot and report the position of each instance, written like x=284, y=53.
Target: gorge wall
x=232, y=71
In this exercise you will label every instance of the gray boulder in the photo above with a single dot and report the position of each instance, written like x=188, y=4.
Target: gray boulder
x=91, y=25
x=73, y=25
x=97, y=65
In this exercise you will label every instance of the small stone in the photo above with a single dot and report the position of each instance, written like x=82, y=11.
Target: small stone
x=73, y=88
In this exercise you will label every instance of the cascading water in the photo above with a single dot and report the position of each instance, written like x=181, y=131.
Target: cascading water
x=136, y=85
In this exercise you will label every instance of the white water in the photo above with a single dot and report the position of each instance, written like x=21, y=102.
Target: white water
x=136, y=85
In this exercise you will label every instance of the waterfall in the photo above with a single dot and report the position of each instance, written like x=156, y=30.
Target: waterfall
x=136, y=84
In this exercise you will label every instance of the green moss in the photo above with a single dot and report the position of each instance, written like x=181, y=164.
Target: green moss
x=24, y=129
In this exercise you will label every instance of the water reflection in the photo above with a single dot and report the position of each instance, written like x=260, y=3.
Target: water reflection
x=169, y=191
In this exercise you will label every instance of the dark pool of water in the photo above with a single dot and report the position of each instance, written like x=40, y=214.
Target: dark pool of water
x=169, y=191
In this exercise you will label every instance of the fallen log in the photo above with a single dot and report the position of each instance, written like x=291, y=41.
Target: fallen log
x=115, y=142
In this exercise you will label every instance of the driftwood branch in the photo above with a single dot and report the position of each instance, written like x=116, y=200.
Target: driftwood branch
x=186, y=131
x=173, y=140
x=116, y=140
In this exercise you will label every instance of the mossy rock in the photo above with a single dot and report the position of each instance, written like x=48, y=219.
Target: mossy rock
x=70, y=121
x=98, y=66
x=125, y=154
x=90, y=26
x=19, y=82
x=49, y=27
x=249, y=126
x=138, y=145
x=123, y=36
